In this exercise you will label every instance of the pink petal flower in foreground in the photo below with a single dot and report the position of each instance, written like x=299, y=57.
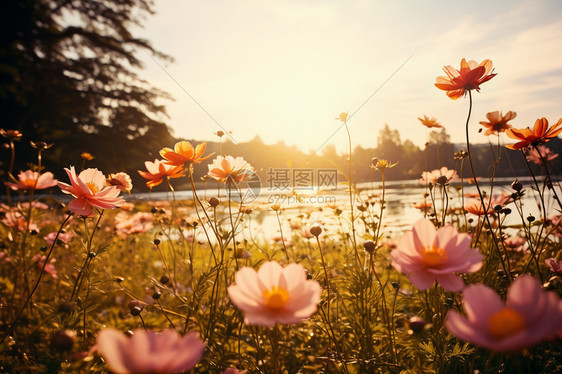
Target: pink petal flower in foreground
x=529, y=316
x=32, y=180
x=274, y=294
x=149, y=352
x=428, y=255
x=90, y=190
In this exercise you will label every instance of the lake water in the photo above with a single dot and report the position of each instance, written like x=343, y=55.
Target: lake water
x=399, y=214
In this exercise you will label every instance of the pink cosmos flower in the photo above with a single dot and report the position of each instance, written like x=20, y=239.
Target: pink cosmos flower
x=149, y=352
x=231, y=170
x=515, y=243
x=306, y=233
x=528, y=316
x=32, y=180
x=431, y=176
x=64, y=237
x=18, y=222
x=4, y=258
x=137, y=223
x=39, y=261
x=475, y=206
x=554, y=265
x=233, y=371
x=90, y=190
x=535, y=157
x=120, y=180
x=34, y=204
x=428, y=255
x=275, y=294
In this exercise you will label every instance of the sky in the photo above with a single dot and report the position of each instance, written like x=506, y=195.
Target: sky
x=285, y=69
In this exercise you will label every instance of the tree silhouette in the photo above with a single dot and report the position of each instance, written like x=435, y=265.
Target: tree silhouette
x=68, y=75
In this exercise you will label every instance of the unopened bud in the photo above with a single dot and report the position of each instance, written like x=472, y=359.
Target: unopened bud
x=214, y=202
x=63, y=340
x=316, y=230
x=516, y=185
x=417, y=323
x=369, y=246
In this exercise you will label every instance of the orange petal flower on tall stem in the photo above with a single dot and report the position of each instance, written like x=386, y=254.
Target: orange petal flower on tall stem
x=497, y=123
x=158, y=171
x=184, y=154
x=429, y=122
x=90, y=190
x=540, y=133
x=470, y=76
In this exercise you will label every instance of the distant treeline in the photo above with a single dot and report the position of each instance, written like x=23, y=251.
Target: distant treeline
x=279, y=163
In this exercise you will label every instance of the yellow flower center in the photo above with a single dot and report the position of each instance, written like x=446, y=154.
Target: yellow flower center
x=434, y=256
x=29, y=183
x=505, y=322
x=276, y=297
x=92, y=186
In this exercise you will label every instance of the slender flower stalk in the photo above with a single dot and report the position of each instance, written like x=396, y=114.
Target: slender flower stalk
x=89, y=256
x=549, y=183
x=343, y=117
x=486, y=217
x=22, y=308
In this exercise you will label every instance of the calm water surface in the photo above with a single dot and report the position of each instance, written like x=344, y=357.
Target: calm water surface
x=399, y=214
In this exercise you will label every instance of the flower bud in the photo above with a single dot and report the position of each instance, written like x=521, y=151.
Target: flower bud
x=369, y=246
x=516, y=185
x=164, y=279
x=214, y=202
x=136, y=311
x=63, y=340
x=316, y=230
x=417, y=323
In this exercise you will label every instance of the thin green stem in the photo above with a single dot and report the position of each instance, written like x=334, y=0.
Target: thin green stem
x=486, y=217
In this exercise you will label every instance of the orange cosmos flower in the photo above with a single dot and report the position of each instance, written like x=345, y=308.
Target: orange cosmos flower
x=497, y=123
x=470, y=76
x=230, y=169
x=32, y=180
x=539, y=134
x=184, y=153
x=429, y=122
x=158, y=170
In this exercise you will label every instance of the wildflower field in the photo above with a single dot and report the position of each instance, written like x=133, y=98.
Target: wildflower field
x=93, y=282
